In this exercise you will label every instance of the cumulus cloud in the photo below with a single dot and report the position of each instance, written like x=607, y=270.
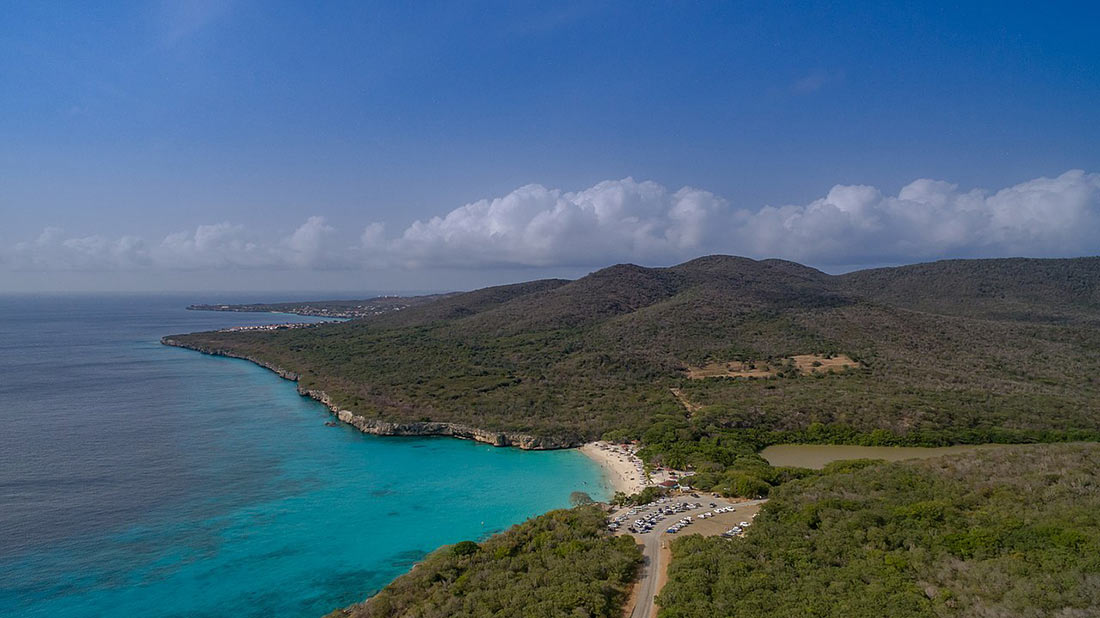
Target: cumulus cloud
x=54, y=250
x=628, y=220
x=215, y=246
x=930, y=219
x=537, y=226
x=310, y=246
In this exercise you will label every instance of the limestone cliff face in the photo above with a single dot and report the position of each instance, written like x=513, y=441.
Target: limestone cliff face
x=387, y=428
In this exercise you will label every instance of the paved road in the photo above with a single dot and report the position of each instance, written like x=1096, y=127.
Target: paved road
x=652, y=569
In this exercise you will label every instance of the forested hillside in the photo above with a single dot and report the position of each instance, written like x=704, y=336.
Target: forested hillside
x=958, y=351
x=563, y=563
x=1012, y=532
x=1014, y=289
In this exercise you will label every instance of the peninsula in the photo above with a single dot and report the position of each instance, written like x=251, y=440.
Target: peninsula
x=346, y=309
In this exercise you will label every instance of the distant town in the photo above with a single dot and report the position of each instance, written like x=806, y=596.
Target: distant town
x=264, y=327
x=344, y=309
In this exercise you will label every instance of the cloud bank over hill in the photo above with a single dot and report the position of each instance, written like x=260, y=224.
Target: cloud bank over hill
x=626, y=220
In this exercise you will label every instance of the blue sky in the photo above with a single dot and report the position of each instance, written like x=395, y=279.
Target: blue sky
x=276, y=145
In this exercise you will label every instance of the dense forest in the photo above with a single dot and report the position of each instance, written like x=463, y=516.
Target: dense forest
x=1012, y=532
x=956, y=351
x=563, y=563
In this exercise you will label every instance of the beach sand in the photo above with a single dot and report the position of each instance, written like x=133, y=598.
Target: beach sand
x=621, y=468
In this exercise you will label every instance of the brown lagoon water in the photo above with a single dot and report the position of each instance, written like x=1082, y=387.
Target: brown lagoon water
x=815, y=456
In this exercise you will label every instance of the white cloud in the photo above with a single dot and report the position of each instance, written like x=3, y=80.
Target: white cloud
x=216, y=246
x=52, y=250
x=213, y=246
x=536, y=226
x=310, y=246
x=931, y=219
x=627, y=220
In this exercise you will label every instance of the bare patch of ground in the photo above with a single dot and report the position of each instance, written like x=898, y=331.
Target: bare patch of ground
x=805, y=363
x=721, y=522
x=684, y=401
x=814, y=363
x=665, y=559
x=732, y=369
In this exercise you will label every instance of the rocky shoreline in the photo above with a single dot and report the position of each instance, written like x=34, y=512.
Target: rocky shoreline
x=387, y=428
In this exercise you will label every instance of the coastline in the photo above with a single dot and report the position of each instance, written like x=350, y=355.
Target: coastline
x=620, y=467
x=387, y=428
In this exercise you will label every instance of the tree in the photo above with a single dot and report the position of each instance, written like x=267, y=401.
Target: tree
x=580, y=498
x=465, y=548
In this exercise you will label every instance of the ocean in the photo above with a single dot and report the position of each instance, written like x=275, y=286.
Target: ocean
x=143, y=480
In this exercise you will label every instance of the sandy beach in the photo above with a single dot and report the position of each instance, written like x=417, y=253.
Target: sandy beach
x=621, y=466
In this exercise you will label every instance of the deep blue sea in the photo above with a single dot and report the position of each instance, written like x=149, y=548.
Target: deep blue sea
x=143, y=480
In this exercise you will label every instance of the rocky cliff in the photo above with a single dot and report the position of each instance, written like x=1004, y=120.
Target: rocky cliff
x=380, y=427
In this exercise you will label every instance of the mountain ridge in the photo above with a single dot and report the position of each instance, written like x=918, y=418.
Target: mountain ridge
x=945, y=348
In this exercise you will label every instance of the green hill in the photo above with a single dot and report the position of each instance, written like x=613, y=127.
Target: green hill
x=957, y=351
x=964, y=351
x=1012, y=531
x=1010, y=289
x=563, y=563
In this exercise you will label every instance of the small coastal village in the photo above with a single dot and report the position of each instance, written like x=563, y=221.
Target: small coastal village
x=335, y=309
x=259, y=328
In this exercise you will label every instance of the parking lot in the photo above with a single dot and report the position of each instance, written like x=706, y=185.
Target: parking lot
x=685, y=514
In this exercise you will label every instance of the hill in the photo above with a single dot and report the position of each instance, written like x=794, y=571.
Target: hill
x=1012, y=531
x=958, y=351
x=563, y=563
x=1020, y=289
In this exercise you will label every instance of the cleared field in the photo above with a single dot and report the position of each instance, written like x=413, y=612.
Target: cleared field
x=816, y=456
x=733, y=369
x=811, y=363
x=805, y=363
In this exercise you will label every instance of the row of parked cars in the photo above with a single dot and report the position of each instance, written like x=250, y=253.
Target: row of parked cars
x=661, y=509
x=737, y=530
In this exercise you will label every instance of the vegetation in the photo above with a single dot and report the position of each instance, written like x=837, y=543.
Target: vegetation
x=727, y=460
x=645, y=496
x=1010, y=352
x=563, y=563
x=1013, y=531
x=964, y=351
x=580, y=498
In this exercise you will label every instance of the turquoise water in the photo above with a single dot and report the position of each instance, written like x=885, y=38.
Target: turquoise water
x=139, y=479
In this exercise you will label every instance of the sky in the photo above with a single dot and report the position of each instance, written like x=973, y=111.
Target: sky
x=348, y=146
